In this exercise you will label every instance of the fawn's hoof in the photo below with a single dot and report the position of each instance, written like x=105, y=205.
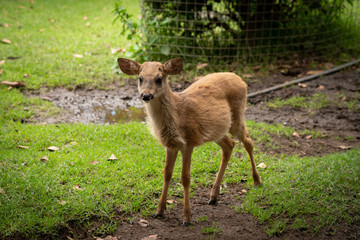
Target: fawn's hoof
x=212, y=202
x=186, y=224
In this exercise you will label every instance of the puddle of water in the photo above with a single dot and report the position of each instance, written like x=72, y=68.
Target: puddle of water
x=120, y=115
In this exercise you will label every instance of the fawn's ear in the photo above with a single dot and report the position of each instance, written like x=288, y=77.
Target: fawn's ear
x=173, y=66
x=128, y=66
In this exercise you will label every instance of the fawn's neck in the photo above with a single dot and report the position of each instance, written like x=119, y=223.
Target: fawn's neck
x=164, y=119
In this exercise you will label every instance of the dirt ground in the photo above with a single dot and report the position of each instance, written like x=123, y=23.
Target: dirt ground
x=339, y=126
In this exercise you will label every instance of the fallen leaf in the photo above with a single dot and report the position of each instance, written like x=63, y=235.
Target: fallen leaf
x=151, y=237
x=108, y=238
x=46, y=98
x=113, y=157
x=302, y=85
x=23, y=147
x=26, y=75
x=7, y=41
x=117, y=50
x=77, y=187
x=262, y=165
x=321, y=88
x=295, y=134
x=51, y=20
x=3, y=193
x=94, y=162
x=85, y=18
x=2, y=62
x=62, y=202
x=345, y=147
x=6, y=25
x=44, y=159
x=202, y=65
x=314, y=72
x=22, y=7
x=308, y=136
x=171, y=201
x=243, y=192
x=13, y=84
x=247, y=75
x=343, y=99
x=41, y=30
x=78, y=55
x=53, y=149
x=88, y=24
x=143, y=223
x=72, y=164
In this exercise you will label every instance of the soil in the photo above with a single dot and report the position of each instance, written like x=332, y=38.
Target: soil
x=339, y=127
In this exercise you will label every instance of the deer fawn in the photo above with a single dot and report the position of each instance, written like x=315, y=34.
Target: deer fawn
x=206, y=111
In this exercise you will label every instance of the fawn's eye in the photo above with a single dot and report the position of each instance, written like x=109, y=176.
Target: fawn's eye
x=140, y=80
x=158, y=81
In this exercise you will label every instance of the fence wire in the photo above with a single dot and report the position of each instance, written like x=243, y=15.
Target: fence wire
x=231, y=33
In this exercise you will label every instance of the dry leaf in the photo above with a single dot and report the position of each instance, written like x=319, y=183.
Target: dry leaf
x=62, y=202
x=4, y=40
x=51, y=20
x=308, y=136
x=143, y=223
x=94, y=162
x=44, y=159
x=345, y=147
x=26, y=75
x=78, y=55
x=171, y=201
x=2, y=62
x=113, y=157
x=262, y=165
x=13, y=84
x=85, y=18
x=295, y=134
x=41, y=29
x=77, y=187
x=6, y=25
x=117, y=50
x=23, y=147
x=151, y=237
x=72, y=164
x=247, y=75
x=343, y=99
x=314, y=72
x=202, y=65
x=22, y=7
x=243, y=192
x=3, y=193
x=321, y=88
x=53, y=149
x=108, y=238
x=302, y=85
x=88, y=24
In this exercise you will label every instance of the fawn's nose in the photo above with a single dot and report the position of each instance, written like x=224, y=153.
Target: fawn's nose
x=146, y=96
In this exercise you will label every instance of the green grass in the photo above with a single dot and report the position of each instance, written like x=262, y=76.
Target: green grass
x=47, y=34
x=317, y=101
x=308, y=193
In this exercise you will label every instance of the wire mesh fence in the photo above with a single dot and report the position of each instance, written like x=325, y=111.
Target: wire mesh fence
x=233, y=32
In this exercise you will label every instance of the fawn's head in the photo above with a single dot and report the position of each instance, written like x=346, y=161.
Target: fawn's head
x=152, y=81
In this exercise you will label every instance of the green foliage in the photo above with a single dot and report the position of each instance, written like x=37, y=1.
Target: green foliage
x=234, y=30
x=214, y=228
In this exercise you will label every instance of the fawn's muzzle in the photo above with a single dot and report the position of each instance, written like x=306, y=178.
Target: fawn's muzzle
x=146, y=96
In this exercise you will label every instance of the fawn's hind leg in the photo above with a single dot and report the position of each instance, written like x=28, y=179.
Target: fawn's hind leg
x=227, y=145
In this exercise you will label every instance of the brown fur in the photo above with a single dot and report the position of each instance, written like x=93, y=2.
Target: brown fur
x=207, y=111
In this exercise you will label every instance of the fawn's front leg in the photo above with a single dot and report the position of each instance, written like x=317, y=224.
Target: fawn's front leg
x=168, y=170
x=185, y=180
